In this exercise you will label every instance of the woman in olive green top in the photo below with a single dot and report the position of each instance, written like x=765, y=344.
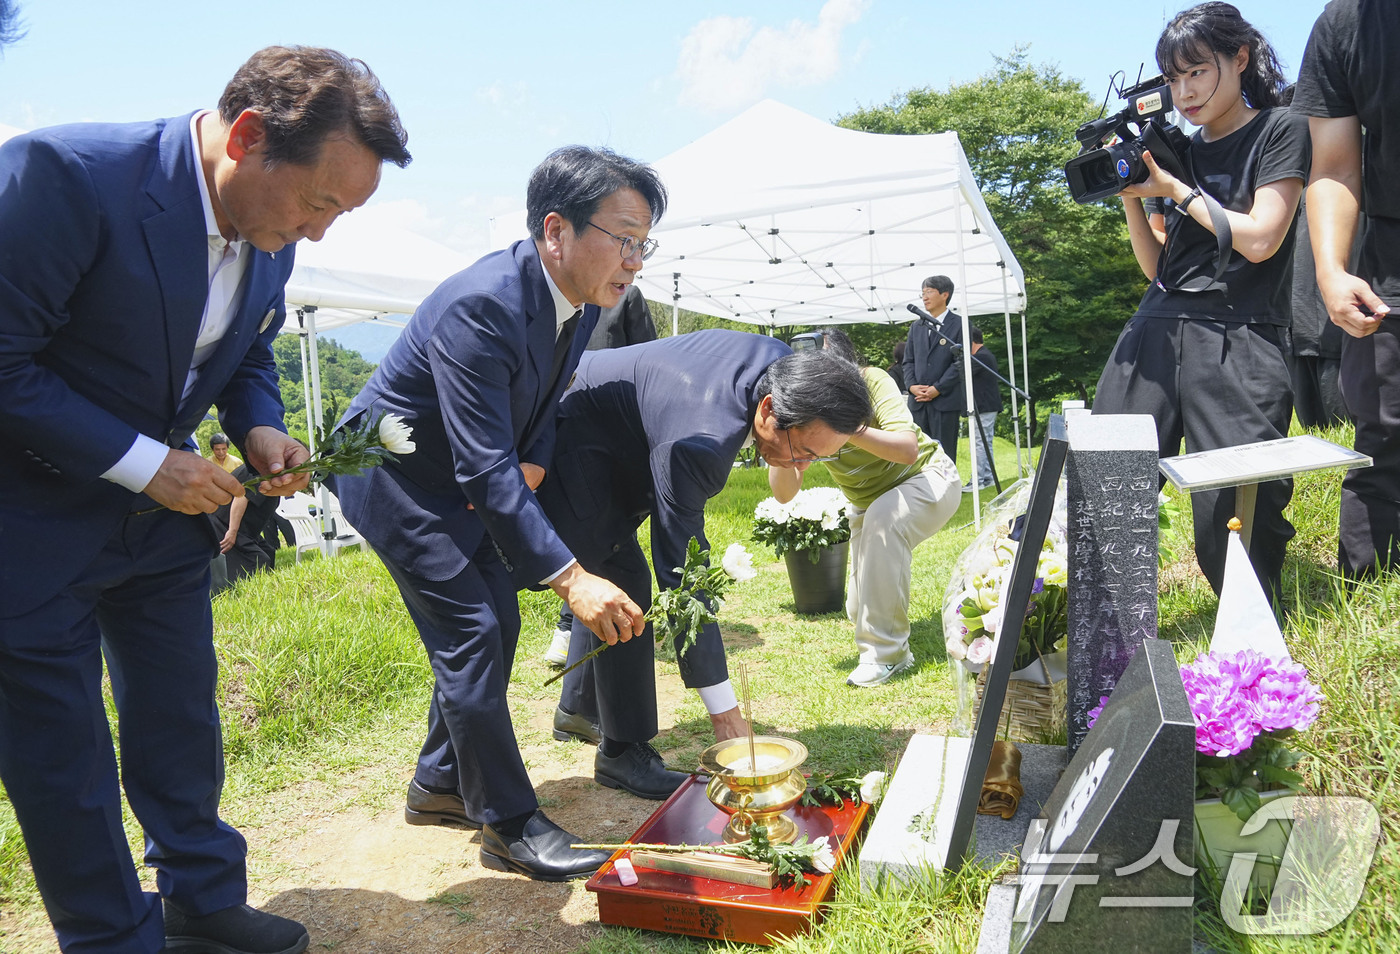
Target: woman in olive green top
x=902, y=489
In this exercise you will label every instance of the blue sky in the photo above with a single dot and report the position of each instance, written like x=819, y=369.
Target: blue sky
x=486, y=90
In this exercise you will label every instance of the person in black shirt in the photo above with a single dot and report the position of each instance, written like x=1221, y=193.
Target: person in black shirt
x=1209, y=365
x=1346, y=83
x=239, y=525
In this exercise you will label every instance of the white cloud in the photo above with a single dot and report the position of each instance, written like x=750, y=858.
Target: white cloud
x=725, y=63
x=507, y=97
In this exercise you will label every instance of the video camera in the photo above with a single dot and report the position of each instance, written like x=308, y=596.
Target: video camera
x=1102, y=169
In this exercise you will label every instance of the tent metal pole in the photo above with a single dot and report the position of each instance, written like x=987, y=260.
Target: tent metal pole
x=1026, y=376
x=972, y=448
x=305, y=383
x=675, y=304
x=1011, y=370
x=327, y=527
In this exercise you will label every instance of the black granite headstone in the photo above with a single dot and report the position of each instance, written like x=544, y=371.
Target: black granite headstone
x=1039, y=509
x=1111, y=477
x=1107, y=866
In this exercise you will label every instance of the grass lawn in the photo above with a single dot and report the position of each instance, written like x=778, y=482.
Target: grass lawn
x=324, y=679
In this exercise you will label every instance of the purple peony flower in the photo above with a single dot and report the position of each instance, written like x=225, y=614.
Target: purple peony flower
x=1236, y=697
x=1284, y=698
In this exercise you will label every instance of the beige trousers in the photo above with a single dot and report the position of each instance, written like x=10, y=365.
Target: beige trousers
x=883, y=538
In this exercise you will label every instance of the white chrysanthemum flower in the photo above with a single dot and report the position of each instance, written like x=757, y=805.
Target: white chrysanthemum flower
x=738, y=563
x=395, y=435
x=823, y=859
x=872, y=786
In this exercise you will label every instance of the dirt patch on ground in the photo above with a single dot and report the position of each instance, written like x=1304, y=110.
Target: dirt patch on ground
x=363, y=881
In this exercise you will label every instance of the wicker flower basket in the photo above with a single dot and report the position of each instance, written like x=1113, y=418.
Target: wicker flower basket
x=1034, y=710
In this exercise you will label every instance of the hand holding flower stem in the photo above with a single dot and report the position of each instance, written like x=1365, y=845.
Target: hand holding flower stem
x=679, y=613
x=351, y=450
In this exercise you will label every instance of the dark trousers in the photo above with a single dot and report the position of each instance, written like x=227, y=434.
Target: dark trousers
x=1369, y=535
x=943, y=426
x=618, y=687
x=1317, y=395
x=1215, y=384
x=143, y=604
x=469, y=625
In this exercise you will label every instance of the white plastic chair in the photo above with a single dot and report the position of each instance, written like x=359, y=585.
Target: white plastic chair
x=345, y=535
x=305, y=528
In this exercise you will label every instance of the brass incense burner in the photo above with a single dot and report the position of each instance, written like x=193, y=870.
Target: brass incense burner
x=756, y=794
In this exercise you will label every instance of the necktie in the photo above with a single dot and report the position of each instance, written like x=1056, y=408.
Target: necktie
x=561, y=347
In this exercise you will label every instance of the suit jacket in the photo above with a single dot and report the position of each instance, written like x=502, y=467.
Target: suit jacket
x=470, y=375
x=103, y=280
x=626, y=323
x=653, y=430
x=926, y=361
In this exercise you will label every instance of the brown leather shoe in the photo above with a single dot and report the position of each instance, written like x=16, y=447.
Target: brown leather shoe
x=429, y=808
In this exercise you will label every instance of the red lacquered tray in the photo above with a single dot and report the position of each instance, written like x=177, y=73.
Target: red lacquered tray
x=703, y=907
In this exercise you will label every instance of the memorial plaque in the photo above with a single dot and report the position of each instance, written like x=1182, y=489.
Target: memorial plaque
x=918, y=814
x=1105, y=865
x=1111, y=511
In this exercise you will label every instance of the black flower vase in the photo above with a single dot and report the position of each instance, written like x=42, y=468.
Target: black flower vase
x=818, y=587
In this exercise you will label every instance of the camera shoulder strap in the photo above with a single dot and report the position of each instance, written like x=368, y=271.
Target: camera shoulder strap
x=1223, y=240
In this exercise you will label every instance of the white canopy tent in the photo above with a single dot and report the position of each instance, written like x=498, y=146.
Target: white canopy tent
x=777, y=218
x=360, y=271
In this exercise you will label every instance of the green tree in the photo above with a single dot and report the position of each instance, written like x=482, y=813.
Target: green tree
x=1016, y=124
x=343, y=374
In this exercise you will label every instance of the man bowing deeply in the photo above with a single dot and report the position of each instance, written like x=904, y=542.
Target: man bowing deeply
x=651, y=431
x=477, y=374
x=141, y=280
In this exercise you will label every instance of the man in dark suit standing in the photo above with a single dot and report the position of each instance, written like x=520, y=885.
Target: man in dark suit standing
x=142, y=269
x=477, y=374
x=932, y=373
x=652, y=431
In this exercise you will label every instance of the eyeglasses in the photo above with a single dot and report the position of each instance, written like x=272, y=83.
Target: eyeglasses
x=792, y=454
x=630, y=245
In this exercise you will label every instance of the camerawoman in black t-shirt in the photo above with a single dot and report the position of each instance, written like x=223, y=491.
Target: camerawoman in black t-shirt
x=1206, y=358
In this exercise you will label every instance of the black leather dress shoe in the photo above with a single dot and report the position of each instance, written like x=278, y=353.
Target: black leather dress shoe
x=541, y=852
x=236, y=930
x=429, y=808
x=638, y=770
x=569, y=726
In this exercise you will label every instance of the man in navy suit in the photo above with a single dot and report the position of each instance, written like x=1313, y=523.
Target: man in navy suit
x=141, y=279
x=477, y=374
x=653, y=431
x=932, y=372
